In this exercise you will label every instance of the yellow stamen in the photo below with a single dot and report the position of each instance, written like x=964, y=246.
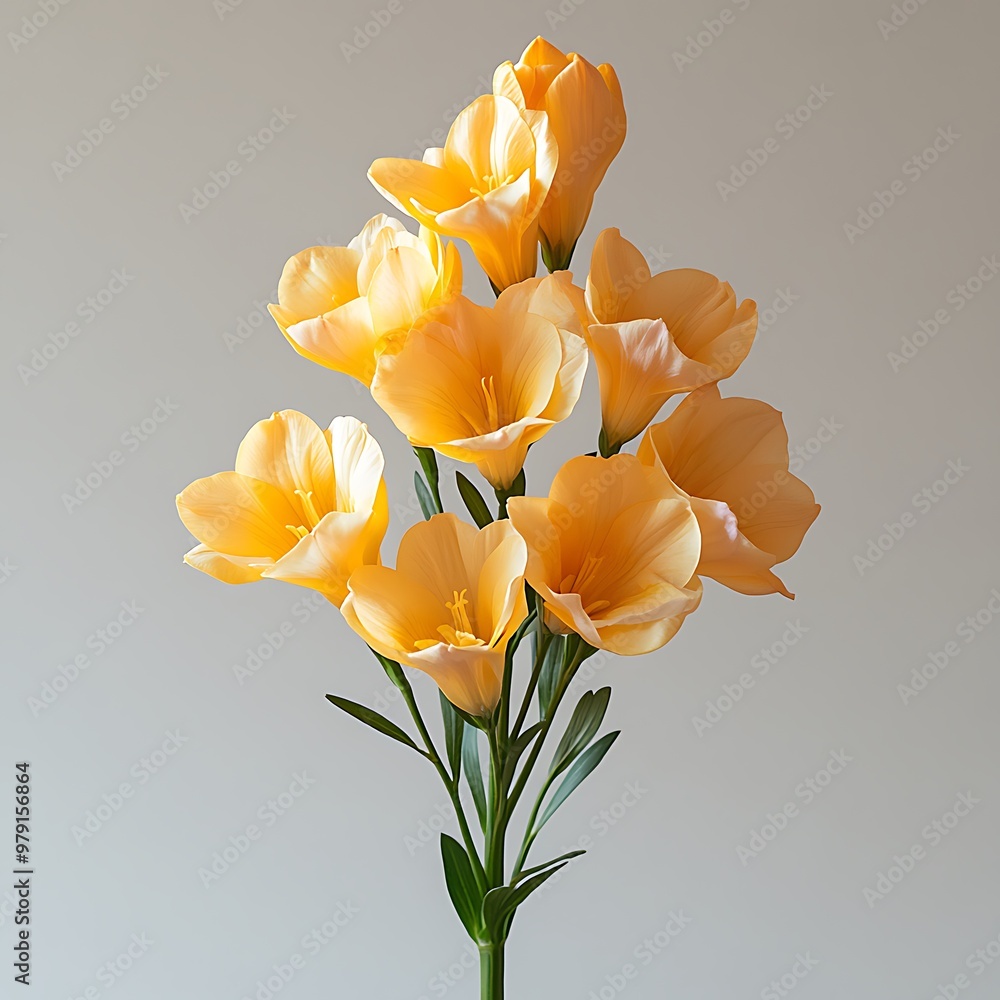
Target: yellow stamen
x=298, y=531
x=492, y=406
x=459, y=633
x=491, y=182
x=312, y=514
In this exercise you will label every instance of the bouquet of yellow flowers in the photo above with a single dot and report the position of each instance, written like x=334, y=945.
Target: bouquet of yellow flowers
x=612, y=559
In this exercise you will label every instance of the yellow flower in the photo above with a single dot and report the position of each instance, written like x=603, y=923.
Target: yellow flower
x=486, y=186
x=612, y=552
x=449, y=608
x=658, y=335
x=304, y=505
x=587, y=116
x=338, y=305
x=730, y=456
x=482, y=385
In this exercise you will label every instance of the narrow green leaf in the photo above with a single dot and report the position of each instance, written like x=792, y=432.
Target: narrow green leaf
x=551, y=669
x=429, y=463
x=586, y=763
x=462, y=886
x=499, y=904
x=474, y=771
x=454, y=726
x=393, y=670
x=548, y=864
x=518, y=747
x=582, y=728
x=474, y=502
x=424, y=497
x=371, y=718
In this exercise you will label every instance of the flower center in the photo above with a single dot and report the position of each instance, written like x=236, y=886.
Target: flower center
x=459, y=632
x=490, y=183
x=577, y=583
x=312, y=515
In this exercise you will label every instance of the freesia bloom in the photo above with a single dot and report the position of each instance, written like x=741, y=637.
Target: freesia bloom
x=658, y=335
x=481, y=385
x=486, y=186
x=337, y=306
x=449, y=608
x=730, y=457
x=612, y=551
x=587, y=116
x=303, y=505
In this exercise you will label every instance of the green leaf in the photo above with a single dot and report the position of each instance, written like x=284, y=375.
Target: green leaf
x=518, y=747
x=474, y=502
x=462, y=885
x=582, y=728
x=424, y=497
x=548, y=864
x=454, y=726
x=499, y=904
x=429, y=463
x=474, y=771
x=548, y=678
x=371, y=718
x=583, y=766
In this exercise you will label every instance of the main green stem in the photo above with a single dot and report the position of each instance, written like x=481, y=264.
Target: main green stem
x=491, y=959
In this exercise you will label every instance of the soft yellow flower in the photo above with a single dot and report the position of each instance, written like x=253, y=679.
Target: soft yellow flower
x=338, y=305
x=449, y=608
x=612, y=552
x=658, y=335
x=730, y=457
x=486, y=186
x=481, y=385
x=304, y=505
x=587, y=116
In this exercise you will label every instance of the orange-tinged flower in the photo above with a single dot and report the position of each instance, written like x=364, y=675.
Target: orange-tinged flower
x=587, y=116
x=486, y=186
x=481, y=385
x=612, y=551
x=337, y=306
x=654, y=336
x=303, y=505
x=449, y=608
x=730, y=457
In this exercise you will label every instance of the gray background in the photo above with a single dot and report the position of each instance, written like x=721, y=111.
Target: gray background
x=352, y=840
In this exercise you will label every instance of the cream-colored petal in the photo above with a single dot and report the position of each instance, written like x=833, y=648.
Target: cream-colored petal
x=400, y=290
x=617, y=269
x=316, y=280
x=469, y=676
x=358, y=465
x=343, y=340
x=228, y=569
x=419, y=189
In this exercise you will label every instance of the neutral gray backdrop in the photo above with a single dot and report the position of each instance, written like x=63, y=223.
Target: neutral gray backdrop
x=179, y=340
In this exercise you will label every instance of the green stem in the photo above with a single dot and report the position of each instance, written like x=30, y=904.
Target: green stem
x=491, y=959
